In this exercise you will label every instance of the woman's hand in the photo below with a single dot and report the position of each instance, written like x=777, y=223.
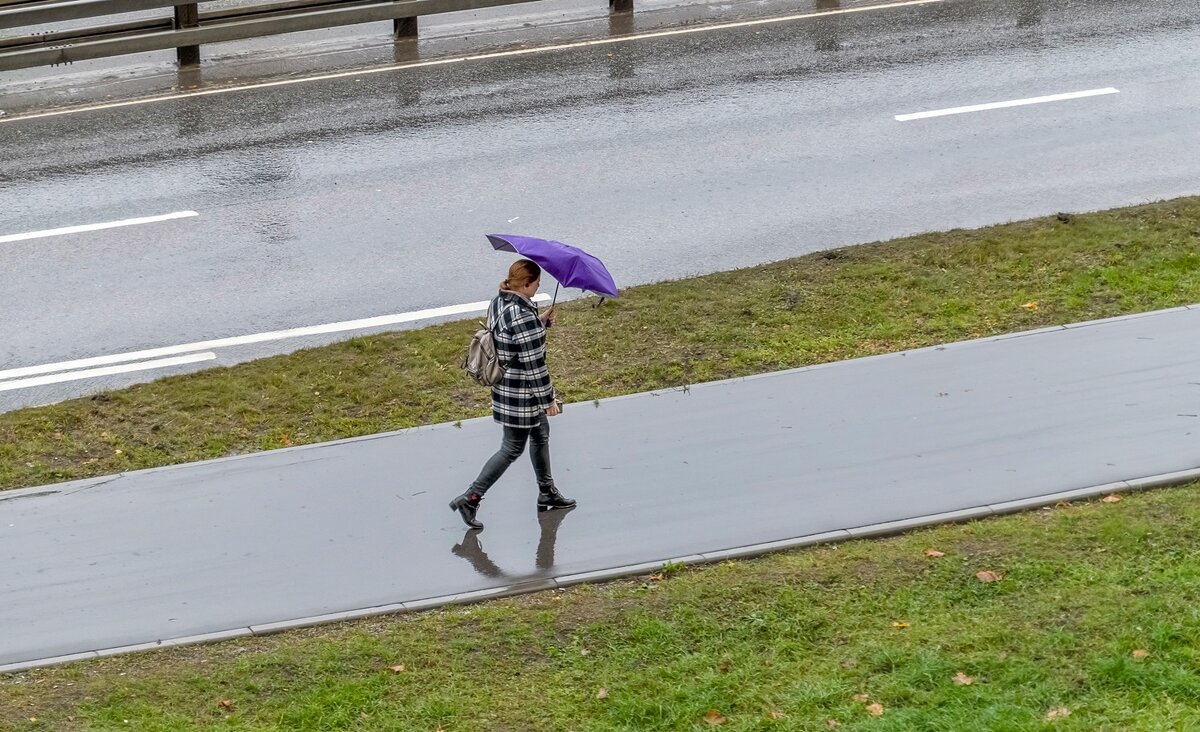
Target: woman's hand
x=553, y=410
x=548, y=318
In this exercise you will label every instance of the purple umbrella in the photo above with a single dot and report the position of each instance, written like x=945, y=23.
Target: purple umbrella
x=570, y=266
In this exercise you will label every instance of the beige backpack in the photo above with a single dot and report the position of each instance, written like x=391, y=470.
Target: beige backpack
x=481, y=362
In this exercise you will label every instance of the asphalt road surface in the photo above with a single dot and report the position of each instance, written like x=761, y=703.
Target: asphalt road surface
x=236, y=545
x=369, y=194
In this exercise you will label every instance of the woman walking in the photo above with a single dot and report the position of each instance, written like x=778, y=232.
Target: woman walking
x=524, y=399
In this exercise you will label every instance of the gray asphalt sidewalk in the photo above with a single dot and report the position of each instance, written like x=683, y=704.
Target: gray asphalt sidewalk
x=257, y=543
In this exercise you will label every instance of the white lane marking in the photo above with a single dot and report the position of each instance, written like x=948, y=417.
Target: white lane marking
x=276, y=335
x=96, y=227
x=1002, y=105
x=475, y=57
x=107, y=371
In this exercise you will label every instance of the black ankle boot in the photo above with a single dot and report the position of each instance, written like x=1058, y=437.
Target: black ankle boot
x=467, y=505
x=549, y=499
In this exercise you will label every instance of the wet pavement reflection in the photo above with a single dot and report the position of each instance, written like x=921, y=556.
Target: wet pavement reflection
x=471, y=548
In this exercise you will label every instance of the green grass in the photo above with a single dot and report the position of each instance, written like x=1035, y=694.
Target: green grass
x=782, y=642
x=829, y=306
x=798, y=634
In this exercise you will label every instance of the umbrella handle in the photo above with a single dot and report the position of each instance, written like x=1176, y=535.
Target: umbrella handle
x=555, y=299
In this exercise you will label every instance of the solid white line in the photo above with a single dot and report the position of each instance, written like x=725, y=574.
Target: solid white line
x=476, y=57
x=96, y=227
x=276, y=335
x=107, y=371
x=1002, y=105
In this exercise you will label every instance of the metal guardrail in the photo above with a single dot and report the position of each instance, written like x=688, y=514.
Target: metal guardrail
x=189, y=27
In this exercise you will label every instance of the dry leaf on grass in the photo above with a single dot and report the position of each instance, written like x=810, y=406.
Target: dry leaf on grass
x=225, y=704
x=584, y=652
x=1057, y=713
x=875, y=710
x=900, y=625
x=1031, y=305
x=398, y=669
x=934, y=553
x=832, y=723
x=962, y=679
x=714, y=717
x=1112, y=498
x=988, y=576
x=864, y=698
x=602, y=694
x=775, y=714
x=1140, y=653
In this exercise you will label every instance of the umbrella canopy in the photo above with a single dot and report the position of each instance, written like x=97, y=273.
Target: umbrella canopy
x=570, y=266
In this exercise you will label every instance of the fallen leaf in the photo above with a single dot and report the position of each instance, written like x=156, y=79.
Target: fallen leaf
x=225, y=704
x=398, y=669
x=584, y=652
x=1140, y=653
x=725, y=666
x=602, y=694
x=875, y=710
x=832, y=723
x=934, y=553
x=862, y=698
x=714, y=717
x=1114, y=498
x=775, y=714
x=962, y=679
x=656, y=577
x=1031, y=305
x=118, y=452
x=988, y=576
x=900, y=625
x=1058, y=713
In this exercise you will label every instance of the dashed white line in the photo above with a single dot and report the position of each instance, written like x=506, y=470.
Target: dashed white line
x=475, y=57
x=1002, y=105
x=96, y=227
x=276, y=335
x=107, y=371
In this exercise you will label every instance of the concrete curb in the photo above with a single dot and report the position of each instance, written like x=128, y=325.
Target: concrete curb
x=550, y=583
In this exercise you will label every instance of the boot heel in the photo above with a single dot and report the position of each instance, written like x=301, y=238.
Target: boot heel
x=466, y=509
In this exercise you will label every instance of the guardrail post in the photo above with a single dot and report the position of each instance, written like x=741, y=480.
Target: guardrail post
x=187, y=16
x=405, y=29
x=620, y=6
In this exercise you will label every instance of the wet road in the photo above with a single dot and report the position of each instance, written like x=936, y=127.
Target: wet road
x=368, y=195
x=244, y=543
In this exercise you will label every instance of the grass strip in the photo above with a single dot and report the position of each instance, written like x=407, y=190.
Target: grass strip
x=822, y=307
x=1093, y=624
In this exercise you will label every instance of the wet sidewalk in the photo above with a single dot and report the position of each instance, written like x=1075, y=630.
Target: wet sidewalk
x=256, y=543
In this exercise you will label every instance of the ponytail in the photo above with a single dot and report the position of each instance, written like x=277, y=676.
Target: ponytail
x=520, y=274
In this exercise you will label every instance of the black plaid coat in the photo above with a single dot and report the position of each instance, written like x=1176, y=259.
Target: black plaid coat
x=521, y=398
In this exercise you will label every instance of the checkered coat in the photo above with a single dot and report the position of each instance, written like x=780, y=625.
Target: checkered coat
x=521, y=398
